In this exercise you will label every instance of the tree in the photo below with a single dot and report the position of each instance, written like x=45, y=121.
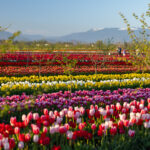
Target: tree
x=140, y=57
x=100, y=45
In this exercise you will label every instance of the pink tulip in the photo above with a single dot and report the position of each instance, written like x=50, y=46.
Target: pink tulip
x=126, y=123
x=52, y=130
x=45, y=130
x=17, y=130
x=131, y=133
x=30, y=116
x=45, y=111
x=92, y=112
x=13, y=120
x=35, y=116
x=93, y=126
x=62, y=129
x=69, y=134
x=67, y=126
x=35, y=129
x=81, y=126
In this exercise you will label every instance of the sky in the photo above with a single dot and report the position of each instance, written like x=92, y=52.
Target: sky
x=62, y=17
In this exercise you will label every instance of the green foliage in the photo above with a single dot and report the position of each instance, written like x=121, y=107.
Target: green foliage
x=141, y=54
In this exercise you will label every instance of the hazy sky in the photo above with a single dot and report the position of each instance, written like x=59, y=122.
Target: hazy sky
x=60, y=17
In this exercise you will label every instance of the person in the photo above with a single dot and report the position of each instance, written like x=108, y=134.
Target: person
x=124, y=52
x=119, y=50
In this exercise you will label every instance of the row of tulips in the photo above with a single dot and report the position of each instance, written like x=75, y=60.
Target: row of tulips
x=46, y=57
x=11, y=88
x=18, y=104
x=95, y=127
x=94, y=77
x=57, y=63
x=55, y=70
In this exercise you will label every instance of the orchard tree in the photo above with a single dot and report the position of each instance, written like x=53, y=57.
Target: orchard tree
x=140, y=57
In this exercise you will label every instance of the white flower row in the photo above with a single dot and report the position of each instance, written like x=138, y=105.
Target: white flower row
x=78, y=82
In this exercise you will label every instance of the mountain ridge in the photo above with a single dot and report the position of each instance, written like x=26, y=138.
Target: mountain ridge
x=92, y=35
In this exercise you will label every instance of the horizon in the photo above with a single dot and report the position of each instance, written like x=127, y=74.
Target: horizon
x=53, y=18
x=92, y=29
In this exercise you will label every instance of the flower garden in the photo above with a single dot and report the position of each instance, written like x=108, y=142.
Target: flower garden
x=109, y=110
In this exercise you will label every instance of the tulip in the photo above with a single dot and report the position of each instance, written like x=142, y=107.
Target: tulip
x=81, y=126
x=17, y=130
x=131, y=133
x=13, y=120
x=52, y=130
x=92, y=112
x=30, y=116
x=113, y=131
x=23, y=117
x=148, y=100
x=70, y=114
x=35, y=116
x=62, y=129
x=122, y=116
x=21, y=145
x=56, y=127
x=45, y=130
x=61, y=114
x=27, y=137
x=69, y=134
x=6, y=146
x=78, y=120
x=126, y=123
x=93, y=126
x=67, y=126
x=35, y=138
x=35, y=129
x=45, y=111
x=12, y=143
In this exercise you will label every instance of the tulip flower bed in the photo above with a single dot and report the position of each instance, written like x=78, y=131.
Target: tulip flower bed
x=96, y=112
x=59, y=100
x=22, y=59
x=115, y=126
x=11, y=88
x=58, y=70
x=94, y=77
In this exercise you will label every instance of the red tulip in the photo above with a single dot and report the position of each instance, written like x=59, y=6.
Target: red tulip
x=27, y=137
x=93, y=126
x=113, y=131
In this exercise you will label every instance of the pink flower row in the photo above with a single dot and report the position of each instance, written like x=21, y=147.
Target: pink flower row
x=75, y=125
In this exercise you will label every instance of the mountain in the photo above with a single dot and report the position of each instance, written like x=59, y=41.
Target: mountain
x=22, y=37
x=93, y=35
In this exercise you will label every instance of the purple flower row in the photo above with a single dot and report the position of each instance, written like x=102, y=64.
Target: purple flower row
x=65, y=99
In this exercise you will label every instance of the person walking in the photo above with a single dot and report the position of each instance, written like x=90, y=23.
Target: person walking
x=119, y=50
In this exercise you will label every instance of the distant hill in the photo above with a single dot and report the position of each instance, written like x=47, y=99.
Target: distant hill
x=22, y=37
x=93, y=35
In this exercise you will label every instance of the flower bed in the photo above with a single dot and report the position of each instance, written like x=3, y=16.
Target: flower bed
x=94, y=77
x=11, y=88
x=93, y=112
x=94, y=127
x=57, y=70
x=15, y=59
x=60, y=100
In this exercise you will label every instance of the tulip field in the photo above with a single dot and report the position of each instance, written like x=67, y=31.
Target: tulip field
x=44, y=108
x=18, y=64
